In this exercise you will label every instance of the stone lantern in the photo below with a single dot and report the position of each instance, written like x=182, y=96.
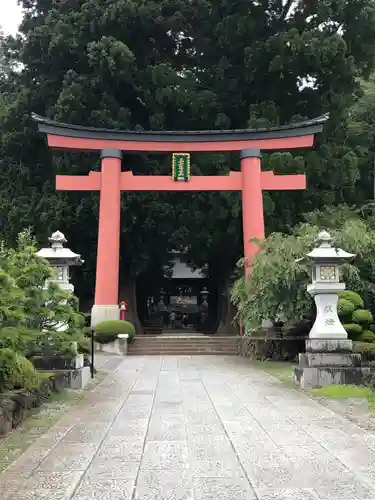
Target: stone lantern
x=328, y=358
x=61, y=259
x=325, y=262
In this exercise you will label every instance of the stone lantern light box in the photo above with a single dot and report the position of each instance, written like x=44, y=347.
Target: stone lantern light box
x=61, y=259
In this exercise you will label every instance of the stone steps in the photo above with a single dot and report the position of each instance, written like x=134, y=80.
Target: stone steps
x=180, y=345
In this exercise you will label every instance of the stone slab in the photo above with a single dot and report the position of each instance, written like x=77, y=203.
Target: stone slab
x=101, y=488
x=329, y=345
x=164, y=485
x=329, y=359
x=286, y=494
x=322, y=376
x=210, y=488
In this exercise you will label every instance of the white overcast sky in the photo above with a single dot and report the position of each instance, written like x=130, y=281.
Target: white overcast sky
x=10, y=16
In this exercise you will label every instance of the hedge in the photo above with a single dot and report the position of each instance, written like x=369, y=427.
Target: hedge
x=352, y=297
x=366, y=349
x=362, y=316
x=345, y=307
x=108, y=331
x=366, y=336
x=16, y=372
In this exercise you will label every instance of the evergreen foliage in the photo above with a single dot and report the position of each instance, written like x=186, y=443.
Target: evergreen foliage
x=26, y=298
x=276, y=286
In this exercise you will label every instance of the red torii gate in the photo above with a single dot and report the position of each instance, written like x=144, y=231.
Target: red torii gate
x=251, y=181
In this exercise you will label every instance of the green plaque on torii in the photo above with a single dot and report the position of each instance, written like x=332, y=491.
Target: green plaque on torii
x=181, y=166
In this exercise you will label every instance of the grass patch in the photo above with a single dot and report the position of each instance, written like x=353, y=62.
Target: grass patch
x=278, y=369
x=343, y=391
x=17, y=441
x=346, y=392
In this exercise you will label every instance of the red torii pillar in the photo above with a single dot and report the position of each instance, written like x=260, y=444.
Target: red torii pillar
x=108, y=255
x=252, y=203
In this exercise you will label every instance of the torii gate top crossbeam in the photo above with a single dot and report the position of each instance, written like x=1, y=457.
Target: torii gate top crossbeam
x=75, y=137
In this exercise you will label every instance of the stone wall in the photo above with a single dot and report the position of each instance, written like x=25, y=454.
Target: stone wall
x=119, y=347
x=16, y=406
x=274, y=348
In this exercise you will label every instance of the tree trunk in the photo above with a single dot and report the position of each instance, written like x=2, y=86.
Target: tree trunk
x=227, y=312
x=128, y=294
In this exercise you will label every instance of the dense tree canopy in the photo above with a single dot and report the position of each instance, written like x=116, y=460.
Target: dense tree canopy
x=172, y=64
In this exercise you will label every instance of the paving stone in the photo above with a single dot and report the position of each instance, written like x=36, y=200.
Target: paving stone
x=223, y=488
x=167, y=428
x=168, y=407
x=49, y=485
x=272, y=475
x=82, y=433
x=219, y=467
x=115, y=447
x=164, y=485
x=68, y=457
x=105, y=489
x=202, y=416
x=112, y=467
x=289, y=494
x=348, y=488
x=169, y=456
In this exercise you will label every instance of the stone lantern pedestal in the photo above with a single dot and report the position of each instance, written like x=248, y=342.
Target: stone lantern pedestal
x=329, y=358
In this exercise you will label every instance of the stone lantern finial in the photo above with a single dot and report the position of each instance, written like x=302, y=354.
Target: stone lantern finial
x=57, y=239
x=324, y=238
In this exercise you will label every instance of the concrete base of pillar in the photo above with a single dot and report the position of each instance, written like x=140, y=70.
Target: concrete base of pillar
x=329, y=362
x=104, y=313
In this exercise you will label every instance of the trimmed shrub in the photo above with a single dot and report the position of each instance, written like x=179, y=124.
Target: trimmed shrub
x=366, y=349
x=352, y=297
x=353, y=329
x=8, y=369
x=16, y=372
x=107, y=331
x=362, y=316
x=366, y=336
x=345, y=307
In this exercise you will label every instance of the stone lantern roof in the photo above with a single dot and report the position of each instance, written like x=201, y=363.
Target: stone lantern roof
x=325, y=252
x=57, y=253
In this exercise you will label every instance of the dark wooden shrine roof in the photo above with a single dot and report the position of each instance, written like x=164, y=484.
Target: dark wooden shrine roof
x=307, y=127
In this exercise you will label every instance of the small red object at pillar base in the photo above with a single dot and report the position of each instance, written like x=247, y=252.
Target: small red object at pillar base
x=123, y=309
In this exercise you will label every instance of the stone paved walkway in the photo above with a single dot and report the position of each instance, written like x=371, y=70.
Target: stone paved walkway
x=195, y=428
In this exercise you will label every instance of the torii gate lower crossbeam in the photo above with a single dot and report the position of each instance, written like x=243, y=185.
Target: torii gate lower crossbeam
x=251, y=181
